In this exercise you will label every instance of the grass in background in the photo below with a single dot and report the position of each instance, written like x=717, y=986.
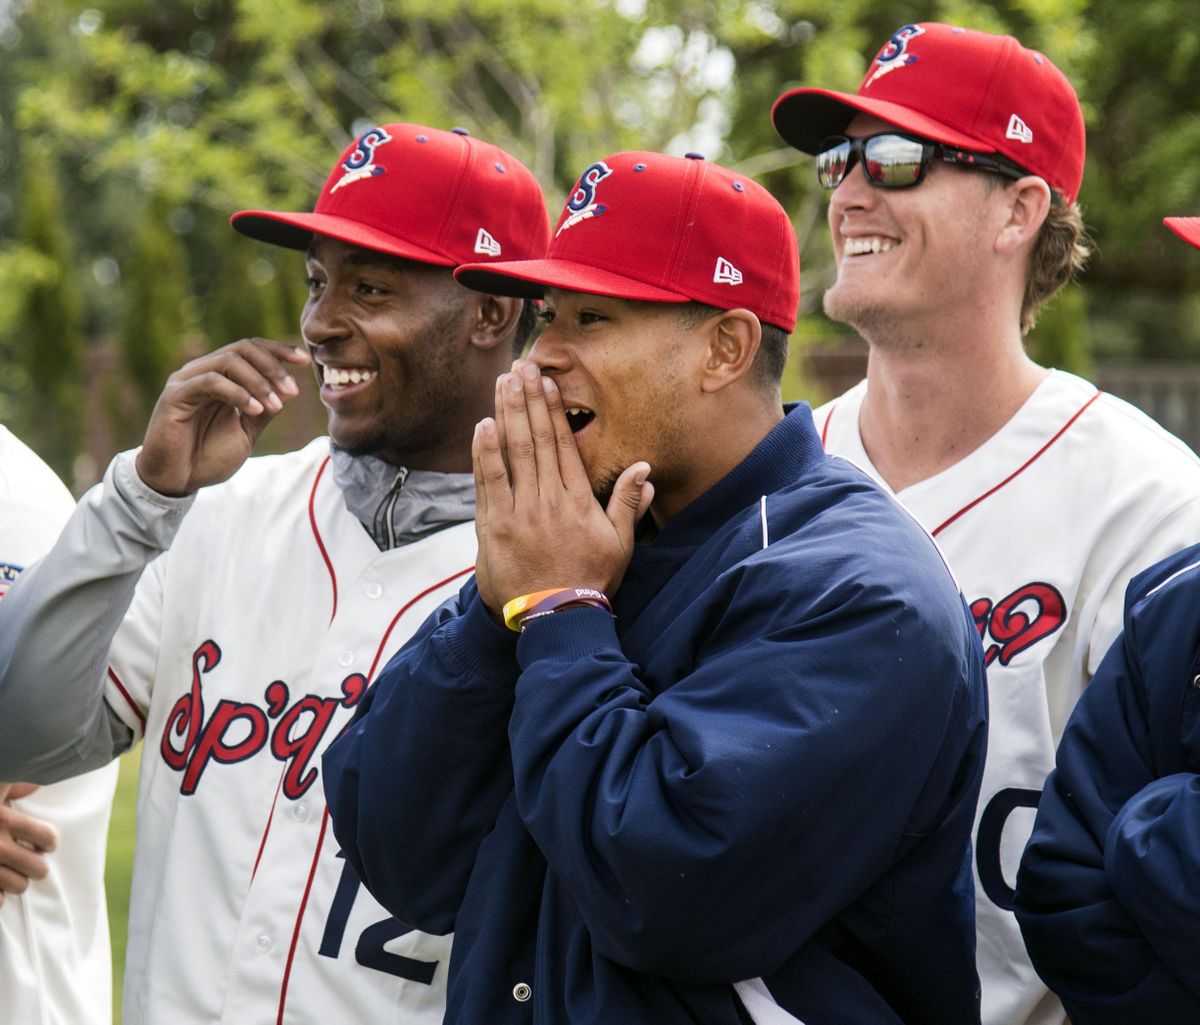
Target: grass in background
x=120, y=865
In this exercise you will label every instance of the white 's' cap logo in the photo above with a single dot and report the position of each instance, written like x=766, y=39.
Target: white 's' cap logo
x=485, y=245
x=726, y=273
x=1019, y=130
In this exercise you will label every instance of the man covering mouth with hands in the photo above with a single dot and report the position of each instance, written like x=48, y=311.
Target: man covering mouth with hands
x=636, y=769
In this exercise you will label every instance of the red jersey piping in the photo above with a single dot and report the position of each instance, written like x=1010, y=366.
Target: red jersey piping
x=825, y=426
x=125, y=694
x=287, y=971
x=312, y=519
x=1020, y=469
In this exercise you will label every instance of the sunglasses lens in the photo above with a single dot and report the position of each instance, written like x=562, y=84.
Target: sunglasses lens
x=894, y=161
x=831, y=164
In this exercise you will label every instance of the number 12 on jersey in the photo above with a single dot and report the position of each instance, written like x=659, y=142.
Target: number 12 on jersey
x=369, y=951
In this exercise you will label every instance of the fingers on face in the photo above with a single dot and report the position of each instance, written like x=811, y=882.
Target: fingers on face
x=574, y=476
x=491, y=476
x=518, y=440
x=501, y=426
x=538, y=438
x=541, y=425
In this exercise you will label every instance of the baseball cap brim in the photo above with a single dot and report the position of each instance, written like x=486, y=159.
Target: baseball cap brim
x=295, y=231
x=805, y=118
x=1187, y=228
x=529, y=279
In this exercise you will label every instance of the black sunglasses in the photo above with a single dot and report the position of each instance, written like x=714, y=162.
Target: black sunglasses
x=893, y=161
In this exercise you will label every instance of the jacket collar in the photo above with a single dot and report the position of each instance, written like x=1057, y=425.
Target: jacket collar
x=779, y=460
x=396, y=505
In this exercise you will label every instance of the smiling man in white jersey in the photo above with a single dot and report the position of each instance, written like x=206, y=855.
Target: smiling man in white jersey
x=236, y=629
x=953, y=173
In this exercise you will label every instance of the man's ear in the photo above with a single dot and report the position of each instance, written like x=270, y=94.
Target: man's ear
x=493, y=320
x=732, y=339
x=1027, y=208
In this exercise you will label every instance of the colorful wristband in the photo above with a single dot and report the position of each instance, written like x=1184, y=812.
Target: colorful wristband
x=513, y=609
x=542, y=603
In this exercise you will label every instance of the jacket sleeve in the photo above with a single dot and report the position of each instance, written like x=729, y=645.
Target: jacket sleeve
x=59, y=620
x=707, y=831
x=416, y=780
x=1104, y=926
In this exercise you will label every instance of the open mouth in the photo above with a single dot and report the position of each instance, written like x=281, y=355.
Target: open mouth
x=578, y=418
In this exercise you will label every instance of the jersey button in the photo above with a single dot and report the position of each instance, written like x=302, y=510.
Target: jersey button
x=374, y=590
x=265, y=943
x=300, y=812
x=522, y=992
x=346, y=659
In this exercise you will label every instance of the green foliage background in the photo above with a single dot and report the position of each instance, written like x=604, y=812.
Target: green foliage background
x=150, y=122
x=131, y=129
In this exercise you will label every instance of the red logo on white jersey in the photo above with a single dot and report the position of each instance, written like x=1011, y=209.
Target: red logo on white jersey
x=237, y=730
x=1030, y=613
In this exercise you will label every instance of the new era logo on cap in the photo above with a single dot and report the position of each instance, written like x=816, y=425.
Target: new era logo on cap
x=1019, y=130
x=485, y=245
x=726, y=273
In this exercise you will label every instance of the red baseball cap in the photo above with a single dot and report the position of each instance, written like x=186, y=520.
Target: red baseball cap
x=420, y=193
x=1187, y=228
x=968, y=89
x=664, y=229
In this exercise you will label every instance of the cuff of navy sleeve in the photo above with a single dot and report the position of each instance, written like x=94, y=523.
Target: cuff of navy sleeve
x=568, y=635
x=481, y=645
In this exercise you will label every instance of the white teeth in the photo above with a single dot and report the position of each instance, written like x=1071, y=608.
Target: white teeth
x=863, y=244
x=574, y=411
x=340, y=376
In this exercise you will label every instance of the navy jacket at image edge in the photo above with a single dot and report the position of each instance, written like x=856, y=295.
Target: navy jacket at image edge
x=766, y=765
x=1108, y=894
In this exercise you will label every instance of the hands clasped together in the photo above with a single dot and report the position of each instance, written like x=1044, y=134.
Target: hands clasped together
x=538, y=523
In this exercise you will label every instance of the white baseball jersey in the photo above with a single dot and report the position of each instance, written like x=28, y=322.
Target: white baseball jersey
x=55, y=967
x=244, y=651
x=1043, y=524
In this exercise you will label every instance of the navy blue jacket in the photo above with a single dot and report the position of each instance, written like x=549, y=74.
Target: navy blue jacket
x=766, y=765
x=1108, y=894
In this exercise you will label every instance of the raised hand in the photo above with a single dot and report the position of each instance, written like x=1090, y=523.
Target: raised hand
x=538, y=524
x=212, y=411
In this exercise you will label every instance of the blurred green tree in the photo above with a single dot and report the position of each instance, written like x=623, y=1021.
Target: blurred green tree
x=221, y=104
x=158, y=311
x=48, y=327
